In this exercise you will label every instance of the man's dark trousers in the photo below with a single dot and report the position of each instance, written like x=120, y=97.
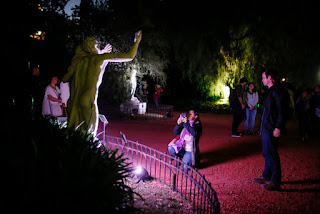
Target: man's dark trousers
x=272, y=169
x=238, y=117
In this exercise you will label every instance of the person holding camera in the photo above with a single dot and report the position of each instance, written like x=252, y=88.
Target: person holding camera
x=187, y=146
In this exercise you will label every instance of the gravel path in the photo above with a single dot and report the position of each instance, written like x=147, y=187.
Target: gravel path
x=231, y=163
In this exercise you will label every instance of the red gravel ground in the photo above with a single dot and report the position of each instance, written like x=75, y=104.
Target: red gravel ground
x=231, y=163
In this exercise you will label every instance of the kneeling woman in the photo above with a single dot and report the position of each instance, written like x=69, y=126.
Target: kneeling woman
x=187, y=146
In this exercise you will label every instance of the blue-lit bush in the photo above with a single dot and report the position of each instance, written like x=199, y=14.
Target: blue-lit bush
x=56, y=170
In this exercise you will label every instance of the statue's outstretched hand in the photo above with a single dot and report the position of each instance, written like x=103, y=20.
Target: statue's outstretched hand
x=138, y=36
x=107, y=49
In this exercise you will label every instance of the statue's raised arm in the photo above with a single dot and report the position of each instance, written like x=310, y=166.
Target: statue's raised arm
x=123, y=57
x=85, y=74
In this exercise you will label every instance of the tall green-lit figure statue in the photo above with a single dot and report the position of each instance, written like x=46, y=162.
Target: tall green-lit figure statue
x=85, y=75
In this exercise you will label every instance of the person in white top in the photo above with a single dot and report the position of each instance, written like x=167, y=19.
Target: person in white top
x=51, y=104
x=251, y=99
x=65, y=93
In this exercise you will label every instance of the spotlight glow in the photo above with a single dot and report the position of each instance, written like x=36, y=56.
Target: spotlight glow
x=138, y=170
x=226, y=92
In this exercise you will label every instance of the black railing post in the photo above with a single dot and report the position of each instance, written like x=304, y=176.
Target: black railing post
x=174, y=178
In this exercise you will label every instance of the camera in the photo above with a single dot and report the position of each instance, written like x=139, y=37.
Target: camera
x=183, y=115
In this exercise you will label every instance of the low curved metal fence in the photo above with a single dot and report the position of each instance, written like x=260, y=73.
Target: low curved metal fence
x=169, y=171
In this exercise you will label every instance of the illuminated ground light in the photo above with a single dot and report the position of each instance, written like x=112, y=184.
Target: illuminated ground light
x=141, y=173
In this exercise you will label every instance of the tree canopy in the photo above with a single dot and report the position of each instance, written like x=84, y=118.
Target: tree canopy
x=192, y=48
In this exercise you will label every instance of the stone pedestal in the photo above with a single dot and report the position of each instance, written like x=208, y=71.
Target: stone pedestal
x=134, y=106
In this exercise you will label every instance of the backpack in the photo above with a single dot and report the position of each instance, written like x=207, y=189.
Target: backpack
x=233, y=99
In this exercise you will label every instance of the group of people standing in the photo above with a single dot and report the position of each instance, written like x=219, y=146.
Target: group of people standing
x=272, y=124
x=248, y=102
x=245, y=107
x=277, y=104
x=308, y=113
x=48, y=100
x=273, y=105
x=57, y=93
x=55, y=99
x=157, y=95
x=186, y=145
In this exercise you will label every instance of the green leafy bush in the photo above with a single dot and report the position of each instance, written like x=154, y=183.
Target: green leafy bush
x=211, y=106
x=57, y=170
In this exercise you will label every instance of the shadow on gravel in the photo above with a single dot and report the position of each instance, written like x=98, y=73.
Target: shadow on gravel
x=301, y=182
x=231, y=151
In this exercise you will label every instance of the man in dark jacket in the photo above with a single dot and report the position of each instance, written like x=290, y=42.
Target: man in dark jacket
x=271, y=123
x=238, y=108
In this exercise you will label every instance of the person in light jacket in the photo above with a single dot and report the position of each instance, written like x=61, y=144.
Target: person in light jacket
x=250, y=98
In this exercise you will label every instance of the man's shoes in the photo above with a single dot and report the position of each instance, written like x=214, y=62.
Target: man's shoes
x=236, y=134
x=271, y=186
x=261, y=180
